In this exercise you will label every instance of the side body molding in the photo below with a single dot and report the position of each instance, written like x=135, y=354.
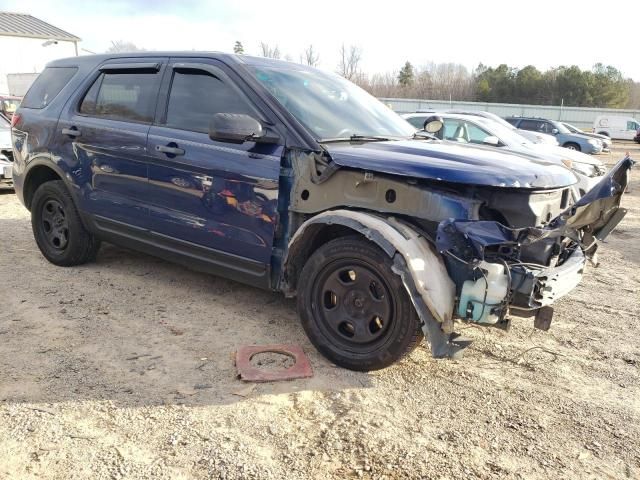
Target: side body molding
x=416, y=261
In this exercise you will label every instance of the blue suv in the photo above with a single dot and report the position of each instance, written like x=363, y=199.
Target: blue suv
x=566, y=138
x=295, y=180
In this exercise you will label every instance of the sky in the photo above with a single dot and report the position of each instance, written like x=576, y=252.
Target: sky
x=542, y=33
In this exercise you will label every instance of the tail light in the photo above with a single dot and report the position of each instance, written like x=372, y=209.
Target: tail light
x=15, y=119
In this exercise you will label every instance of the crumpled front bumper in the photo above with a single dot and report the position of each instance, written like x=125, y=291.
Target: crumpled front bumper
x=483, y=257
x=535, y=288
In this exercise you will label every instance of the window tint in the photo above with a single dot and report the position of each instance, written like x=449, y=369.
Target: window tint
x=196, y=96
x=534, y=125
x=123, y=96
x=632, y=125
x=47, y=86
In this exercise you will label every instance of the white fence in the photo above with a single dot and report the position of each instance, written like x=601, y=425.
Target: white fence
x=578, y=116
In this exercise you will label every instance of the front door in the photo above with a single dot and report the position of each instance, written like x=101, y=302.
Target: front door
x=104, y=131
x=214, y=201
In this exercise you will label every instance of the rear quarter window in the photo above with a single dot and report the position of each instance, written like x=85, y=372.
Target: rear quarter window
x=47, y=86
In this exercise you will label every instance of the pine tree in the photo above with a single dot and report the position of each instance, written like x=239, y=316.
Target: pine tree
x=405, y=77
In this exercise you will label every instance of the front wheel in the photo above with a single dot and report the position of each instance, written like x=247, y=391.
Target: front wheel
x=57, y=228
x=572, y=146
x=354, y=309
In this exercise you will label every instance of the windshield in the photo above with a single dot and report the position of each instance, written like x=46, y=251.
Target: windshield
x=507, y=135
x=330, y=106
x=571, y=128
x=561, y=128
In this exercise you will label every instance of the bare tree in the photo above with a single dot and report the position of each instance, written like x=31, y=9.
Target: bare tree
x=268, y=51
x=349, y=64
x=310, y=57
x=118, y=46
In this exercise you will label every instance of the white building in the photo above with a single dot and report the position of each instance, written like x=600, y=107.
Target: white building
x=27, y=44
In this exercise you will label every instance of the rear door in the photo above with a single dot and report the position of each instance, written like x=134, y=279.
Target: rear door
x=104, y=129
x=211, y=200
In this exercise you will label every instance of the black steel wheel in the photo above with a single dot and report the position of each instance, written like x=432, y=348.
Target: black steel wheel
x=57, y=228
x=354, y=308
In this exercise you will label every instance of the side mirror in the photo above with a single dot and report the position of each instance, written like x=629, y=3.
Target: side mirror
x=492, y=140
x=433, y=124
x=238, y=128
x=554, y=131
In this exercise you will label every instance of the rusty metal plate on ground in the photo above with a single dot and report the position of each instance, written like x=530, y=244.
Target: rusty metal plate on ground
x=247, y=372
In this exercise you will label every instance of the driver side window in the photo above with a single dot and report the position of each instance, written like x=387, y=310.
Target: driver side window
x=476, y=134
x=196, y=96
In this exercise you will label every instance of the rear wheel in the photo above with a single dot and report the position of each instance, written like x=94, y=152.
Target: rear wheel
x=572, y=146
x=57, y=228
x=354, y=309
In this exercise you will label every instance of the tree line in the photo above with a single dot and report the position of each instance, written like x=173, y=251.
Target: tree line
x=603, y=86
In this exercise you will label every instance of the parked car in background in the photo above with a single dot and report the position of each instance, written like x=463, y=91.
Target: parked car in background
x=296, y=180
x=6, y=155
x=572, y=141
x=637, y=137
x=484, y=131
x=535, y=137
x=8, y=105
x=606, y=141
x=618, y=127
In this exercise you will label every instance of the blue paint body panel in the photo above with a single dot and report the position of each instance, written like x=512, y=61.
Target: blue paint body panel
x=464, y=164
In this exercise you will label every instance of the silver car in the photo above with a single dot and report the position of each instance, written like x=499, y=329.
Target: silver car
x=535, y=137
x=6, y=155
x=483, y=131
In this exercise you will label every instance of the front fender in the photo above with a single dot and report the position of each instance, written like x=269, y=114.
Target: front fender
x=416, y=261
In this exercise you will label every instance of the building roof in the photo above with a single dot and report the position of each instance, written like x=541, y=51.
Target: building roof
x=25, y=25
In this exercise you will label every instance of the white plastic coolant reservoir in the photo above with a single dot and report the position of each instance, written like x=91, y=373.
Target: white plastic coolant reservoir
x=473, y=304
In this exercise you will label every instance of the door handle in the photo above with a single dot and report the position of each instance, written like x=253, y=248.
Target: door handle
x=72, y=132
x=168, y=149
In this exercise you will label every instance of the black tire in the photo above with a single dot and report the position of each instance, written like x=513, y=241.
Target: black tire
x=603, y=133
x=57, y=228
x=374, y=323
x=572, y=146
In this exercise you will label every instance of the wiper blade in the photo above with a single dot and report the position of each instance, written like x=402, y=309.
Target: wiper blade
x=420, y=134
x=356, y=138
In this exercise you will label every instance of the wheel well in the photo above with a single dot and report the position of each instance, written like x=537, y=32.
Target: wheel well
x=36, y=177
x=570, y=143
x=606, y=134
x=313, y=238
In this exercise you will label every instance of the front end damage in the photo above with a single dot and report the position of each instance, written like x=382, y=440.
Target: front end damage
x=484, y=258
x=465, y=267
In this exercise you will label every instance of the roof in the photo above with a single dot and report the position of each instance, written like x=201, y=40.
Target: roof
x=25, y=25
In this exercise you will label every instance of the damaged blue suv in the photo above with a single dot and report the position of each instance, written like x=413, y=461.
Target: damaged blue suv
x=295, y=180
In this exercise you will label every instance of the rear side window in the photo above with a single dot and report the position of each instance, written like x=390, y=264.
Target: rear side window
x=530, y=125
x=127, y=96
x=47, y=86
x=196, y=96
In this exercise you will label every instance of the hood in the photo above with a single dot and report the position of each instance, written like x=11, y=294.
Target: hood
x=447, y=162
x=566, y=153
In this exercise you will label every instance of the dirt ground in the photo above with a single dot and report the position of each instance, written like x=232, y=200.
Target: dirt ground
x=123, y=369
